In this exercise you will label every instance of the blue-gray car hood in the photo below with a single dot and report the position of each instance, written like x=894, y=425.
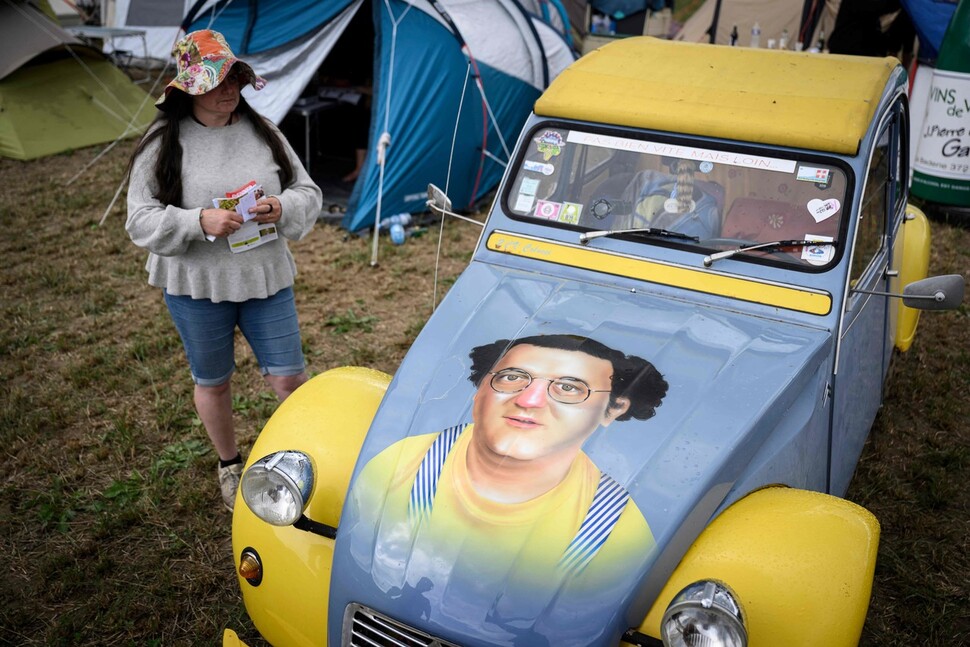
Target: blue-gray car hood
x=736, y=382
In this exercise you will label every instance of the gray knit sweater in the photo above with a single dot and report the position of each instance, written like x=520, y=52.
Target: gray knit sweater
x=216, y=160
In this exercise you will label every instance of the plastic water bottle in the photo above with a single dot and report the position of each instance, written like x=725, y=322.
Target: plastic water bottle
x=783, y=41
x=756, y=35
x=820, y=45
x=395, y=226
x=397, y=233
x=402, y=219
x=600, y=24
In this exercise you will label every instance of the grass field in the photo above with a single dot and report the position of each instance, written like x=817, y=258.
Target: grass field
x=111, y=527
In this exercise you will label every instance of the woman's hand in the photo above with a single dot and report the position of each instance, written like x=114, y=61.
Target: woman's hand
x=267, y=209
x=219, y=222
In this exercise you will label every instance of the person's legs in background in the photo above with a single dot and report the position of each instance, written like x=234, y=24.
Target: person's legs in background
x=358, y=122
x=360, y=154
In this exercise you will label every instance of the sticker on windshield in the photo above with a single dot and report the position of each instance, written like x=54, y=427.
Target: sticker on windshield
x=550, y=144
x=539, y=167
x=814, y=174
x=523, y=203
x=528, y=186
x=665, y=149
x=547, y=210
x=823, y=209
x=705, y=167
x=571, y=211
x=818, y=254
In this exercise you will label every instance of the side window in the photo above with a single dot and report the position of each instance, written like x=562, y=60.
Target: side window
x=901, y=169
x=879, y=194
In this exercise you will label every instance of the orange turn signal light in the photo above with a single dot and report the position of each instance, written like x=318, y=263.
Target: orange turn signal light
x=250, y=568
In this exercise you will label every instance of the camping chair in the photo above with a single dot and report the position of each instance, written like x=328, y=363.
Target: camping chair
x=760, y=220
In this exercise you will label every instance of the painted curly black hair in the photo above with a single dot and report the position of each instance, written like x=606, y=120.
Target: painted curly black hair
x=634, y=378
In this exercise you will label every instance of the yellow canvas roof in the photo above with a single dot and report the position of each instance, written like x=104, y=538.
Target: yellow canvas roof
x=814, y=101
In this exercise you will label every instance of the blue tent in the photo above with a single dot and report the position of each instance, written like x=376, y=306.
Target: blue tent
x=442, y=69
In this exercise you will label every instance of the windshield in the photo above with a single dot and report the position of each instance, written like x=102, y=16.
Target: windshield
x=726, y=198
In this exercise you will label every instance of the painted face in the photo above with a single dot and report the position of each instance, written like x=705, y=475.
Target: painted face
x=529, y=424
x=216, y=106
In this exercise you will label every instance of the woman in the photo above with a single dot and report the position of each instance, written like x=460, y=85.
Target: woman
x=207, y=141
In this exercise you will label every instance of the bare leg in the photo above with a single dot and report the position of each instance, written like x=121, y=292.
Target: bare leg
x=214, y=405
x=284, y=385
x=361, y=154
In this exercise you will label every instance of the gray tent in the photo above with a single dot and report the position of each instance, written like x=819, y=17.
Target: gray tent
x=57, y=94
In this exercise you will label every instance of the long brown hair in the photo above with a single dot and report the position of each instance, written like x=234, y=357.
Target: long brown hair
x=168, y=163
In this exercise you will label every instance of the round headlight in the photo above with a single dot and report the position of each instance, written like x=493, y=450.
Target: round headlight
x=277, y=487
x=704, y=613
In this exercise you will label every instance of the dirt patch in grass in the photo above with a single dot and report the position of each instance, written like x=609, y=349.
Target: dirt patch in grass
x=111, y=528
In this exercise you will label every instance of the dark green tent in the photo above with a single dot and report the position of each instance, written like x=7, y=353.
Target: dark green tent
x=57, y=94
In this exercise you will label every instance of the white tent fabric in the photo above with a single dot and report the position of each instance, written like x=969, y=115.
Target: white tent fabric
x=495, y=47
x=288, y=70
x=159, y=19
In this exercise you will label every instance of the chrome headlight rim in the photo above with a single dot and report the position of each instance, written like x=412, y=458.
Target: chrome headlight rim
x=278, y=487
x=706, y=603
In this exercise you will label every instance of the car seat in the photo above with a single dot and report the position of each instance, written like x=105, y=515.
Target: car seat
x=762, y=221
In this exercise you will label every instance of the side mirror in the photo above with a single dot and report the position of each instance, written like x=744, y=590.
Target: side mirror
x=935, y=293
x=438, y=200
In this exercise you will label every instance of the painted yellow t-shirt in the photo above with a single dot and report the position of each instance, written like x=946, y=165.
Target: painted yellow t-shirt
x=479, y=560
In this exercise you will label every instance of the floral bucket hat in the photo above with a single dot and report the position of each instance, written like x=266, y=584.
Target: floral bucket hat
x=203, y=60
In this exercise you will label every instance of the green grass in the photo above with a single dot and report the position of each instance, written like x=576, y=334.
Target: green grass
x=350, y=321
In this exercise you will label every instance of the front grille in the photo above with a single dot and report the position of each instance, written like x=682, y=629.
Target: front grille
x=365, y=627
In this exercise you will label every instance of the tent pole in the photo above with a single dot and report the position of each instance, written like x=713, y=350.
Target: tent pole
x=451, y=159
x=385, y=139
x=112, y=203
x=382, y=144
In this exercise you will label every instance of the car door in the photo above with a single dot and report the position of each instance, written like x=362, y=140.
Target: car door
x=862, y=355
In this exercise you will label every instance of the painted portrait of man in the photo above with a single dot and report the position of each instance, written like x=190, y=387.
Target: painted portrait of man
x=504, y=514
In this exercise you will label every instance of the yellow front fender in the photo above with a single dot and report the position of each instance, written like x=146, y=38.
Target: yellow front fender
x=327, y=418
x=912, y=248
x=801, y=564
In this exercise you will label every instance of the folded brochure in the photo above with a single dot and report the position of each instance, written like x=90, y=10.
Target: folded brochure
x=251, y=234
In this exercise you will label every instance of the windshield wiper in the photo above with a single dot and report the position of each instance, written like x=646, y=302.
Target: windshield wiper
x=728, y=253
x=585, y=237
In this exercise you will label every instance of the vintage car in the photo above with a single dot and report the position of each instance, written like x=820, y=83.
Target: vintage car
x=634, y=415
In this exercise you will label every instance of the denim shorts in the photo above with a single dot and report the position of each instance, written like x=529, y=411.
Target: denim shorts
x=207, y=330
